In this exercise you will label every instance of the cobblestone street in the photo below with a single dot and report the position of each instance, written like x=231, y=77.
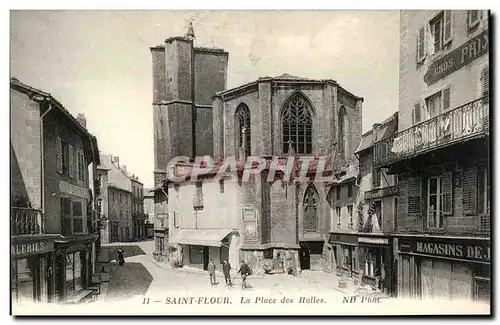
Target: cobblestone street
x=143, y=276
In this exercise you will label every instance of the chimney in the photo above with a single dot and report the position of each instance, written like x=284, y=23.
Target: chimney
x=116, y=160
x=82, y=120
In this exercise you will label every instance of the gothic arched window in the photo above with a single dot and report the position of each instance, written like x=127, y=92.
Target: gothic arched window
x=311, y=203
x=242, y=118
x=296, y=119
x=342, y=133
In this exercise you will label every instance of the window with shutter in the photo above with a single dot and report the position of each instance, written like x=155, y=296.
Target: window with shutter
x=470, y=189
x=376, y=177
x=448, y=26
x=414, y=187
x=447, y=190
x=472, y=19
x=417, y=116
x=59, y=155
x=439, y=200
x=421, y=45
x=71, y=161
x=483, y=190
x=446, y=98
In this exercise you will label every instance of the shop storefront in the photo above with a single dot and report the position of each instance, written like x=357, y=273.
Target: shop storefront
x=444, y=268
x=346, y=254
x=73, y=266
x=196, y=247
x=376, y=262
x=31, y=269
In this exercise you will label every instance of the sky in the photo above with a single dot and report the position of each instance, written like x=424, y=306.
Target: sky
x=99, y=63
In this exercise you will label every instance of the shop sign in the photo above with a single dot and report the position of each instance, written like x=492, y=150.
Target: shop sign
x=344, y=239
x=458, y=58
x=462, y=249
x=71, y=189
x=26, y=249
x=375, y=241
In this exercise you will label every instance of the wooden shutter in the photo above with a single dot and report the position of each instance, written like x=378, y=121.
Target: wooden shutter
x=81, y=166
x=447, y=190
x=417, y=114
x=485, y=82
x=446, y=98
x=472, y=18
x=421, y=45
x=470, y=189
x=414, y=188
x=59, y=155
x=448, y=27
x=71, y=161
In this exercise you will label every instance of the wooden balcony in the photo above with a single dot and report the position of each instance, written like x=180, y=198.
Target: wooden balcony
x=26, y=221
x=460, y=124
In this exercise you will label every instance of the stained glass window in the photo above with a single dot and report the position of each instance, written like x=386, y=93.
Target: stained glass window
x=296, y=119
x=243, y=128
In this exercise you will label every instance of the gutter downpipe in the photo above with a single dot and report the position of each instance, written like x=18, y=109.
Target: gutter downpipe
x=42, y=163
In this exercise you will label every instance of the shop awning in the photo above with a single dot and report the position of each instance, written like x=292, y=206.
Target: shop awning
x=202, y=237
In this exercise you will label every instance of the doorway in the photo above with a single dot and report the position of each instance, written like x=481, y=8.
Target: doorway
x=205, y=257
x=305, y=256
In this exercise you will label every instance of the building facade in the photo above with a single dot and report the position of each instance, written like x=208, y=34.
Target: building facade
x=138, y=216
x=440, y=156
x=149, y=202
x=122, y=204
x=376, y=211
x=53, y=215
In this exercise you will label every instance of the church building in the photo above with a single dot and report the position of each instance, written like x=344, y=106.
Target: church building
x=272, y=118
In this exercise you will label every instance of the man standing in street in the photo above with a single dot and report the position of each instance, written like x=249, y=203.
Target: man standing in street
x=226, y=268
x=211, y=271
x=244, y=271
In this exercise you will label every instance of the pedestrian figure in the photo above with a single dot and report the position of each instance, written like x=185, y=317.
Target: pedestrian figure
x=211, y=271
x=121, y=259
x=226, y=268
x=244, y=271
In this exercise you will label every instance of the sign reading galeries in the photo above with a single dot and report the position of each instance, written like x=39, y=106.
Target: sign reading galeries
x=458, y=58
x=25, y=249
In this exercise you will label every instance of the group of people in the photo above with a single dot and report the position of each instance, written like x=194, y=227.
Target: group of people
x=244, y=271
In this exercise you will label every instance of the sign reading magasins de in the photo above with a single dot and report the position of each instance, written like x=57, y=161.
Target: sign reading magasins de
x=460, y=249
x=458, y=58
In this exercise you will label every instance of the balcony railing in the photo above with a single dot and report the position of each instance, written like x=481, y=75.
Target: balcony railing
x=459, y=124
x=381, y=192
x=26, y=221
x=161, y=223
x=484, y=223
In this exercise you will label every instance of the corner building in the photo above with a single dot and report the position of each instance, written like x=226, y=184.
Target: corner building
x=440, y=156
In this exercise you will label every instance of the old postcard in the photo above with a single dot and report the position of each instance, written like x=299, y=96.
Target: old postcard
x=250, y=162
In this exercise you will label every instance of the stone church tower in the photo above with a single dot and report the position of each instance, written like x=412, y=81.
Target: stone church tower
x=184, y=79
